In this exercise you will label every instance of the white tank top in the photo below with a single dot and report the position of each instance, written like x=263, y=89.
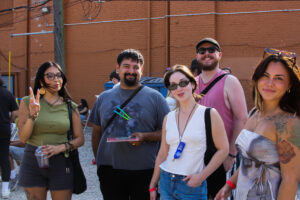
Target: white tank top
x=191, y=160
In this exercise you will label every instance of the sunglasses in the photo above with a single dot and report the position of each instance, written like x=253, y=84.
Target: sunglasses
x=202, y=50
x=51, y=76
x=182, y=84
x=290, y=57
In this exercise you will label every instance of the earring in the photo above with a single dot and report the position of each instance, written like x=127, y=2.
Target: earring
x=42, y=91
x=288, y=91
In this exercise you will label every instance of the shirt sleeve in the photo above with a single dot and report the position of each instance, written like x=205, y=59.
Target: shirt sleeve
x=13, y=104
x=95, y=113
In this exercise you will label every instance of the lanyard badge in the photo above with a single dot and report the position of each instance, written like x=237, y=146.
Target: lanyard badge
x=179, y=150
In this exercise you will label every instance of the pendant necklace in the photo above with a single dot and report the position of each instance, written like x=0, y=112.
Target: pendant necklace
x=181, y=144
x=53, y=103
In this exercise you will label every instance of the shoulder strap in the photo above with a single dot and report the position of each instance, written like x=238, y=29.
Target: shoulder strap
x=209, y=139
x=252, y=112
x=211, y=84
x=70, y=131
x=122, y=106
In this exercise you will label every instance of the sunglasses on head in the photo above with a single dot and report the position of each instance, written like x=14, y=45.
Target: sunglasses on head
x=289, y=57
x=202, y=50
x=51, y=76
x=182, y=84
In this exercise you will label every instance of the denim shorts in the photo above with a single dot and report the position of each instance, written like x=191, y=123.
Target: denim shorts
x=17, y=153
x=172, y=187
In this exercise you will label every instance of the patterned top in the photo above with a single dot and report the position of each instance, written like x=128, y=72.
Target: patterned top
x=259, y=176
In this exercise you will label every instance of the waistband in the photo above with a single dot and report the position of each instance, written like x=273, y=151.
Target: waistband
x=172, y=175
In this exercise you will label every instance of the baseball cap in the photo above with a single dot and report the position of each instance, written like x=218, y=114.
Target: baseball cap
x=210, y=40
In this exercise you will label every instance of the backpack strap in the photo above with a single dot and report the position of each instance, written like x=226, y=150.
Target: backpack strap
x=207, y=119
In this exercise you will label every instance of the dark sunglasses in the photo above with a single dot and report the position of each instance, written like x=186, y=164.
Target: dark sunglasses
x=202, y=50
x=51, y=76
x=182, y=84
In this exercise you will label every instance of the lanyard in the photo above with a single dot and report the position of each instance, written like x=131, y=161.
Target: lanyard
x=180, y=136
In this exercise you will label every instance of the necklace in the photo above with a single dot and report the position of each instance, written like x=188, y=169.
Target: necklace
x=181, y=135
x=54, y=102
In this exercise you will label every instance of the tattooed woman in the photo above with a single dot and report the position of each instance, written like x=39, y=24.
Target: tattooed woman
x=269, y=144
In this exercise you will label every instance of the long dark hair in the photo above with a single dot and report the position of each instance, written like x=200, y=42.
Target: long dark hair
x=39, y=77
x=185, y=71
x=84, y=103
x=290, y=102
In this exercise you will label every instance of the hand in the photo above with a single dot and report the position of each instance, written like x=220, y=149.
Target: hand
x=51, y=150
x=224, y=193
x=34, y=103
x=153, y=195
x=140, y=138
x=228, y=163
x=193, y=180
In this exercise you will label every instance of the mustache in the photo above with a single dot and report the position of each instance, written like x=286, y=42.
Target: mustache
x=130, y=74
x=208, y=56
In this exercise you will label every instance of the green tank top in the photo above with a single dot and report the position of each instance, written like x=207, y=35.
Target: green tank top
x=51, y=125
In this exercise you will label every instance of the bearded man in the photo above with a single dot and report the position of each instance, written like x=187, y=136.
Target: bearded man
x=226, y=96
x=125, y=167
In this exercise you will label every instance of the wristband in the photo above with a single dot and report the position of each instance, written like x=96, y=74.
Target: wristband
x=231, y=155
x=228, y=182
x=152, y=189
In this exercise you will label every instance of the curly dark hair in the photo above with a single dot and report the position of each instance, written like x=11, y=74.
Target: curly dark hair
x=39, y=78
x=133, y=54
x=290, y=102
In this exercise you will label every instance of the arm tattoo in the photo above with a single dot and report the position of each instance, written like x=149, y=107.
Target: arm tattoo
x=281, y=123
x=294, y=134
x=286, y=152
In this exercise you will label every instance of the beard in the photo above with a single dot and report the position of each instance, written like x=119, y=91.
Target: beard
x=130, y=82
x=209, y=67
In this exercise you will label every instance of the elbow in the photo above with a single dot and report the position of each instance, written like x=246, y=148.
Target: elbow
x=81, y=141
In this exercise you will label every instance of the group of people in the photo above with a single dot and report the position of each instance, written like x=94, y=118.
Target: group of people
x=145, y=151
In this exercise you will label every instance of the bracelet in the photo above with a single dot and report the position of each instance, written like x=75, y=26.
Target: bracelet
x=231, y=155
x=72, y=146
x=32, y=117
x=152, y=189
x=232, y=185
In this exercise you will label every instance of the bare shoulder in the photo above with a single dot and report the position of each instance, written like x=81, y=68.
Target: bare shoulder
x=288, y=133
x=232, y=83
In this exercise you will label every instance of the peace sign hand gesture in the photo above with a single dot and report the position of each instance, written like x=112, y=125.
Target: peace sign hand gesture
x=34, y=103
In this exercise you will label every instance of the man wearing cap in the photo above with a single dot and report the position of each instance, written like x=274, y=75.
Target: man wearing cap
x=226, y=96
x=125, y=168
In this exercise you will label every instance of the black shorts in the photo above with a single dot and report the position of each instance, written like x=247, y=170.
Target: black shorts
x=59, y=175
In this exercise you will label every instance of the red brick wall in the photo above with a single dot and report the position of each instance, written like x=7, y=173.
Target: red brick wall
x=91, y=50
